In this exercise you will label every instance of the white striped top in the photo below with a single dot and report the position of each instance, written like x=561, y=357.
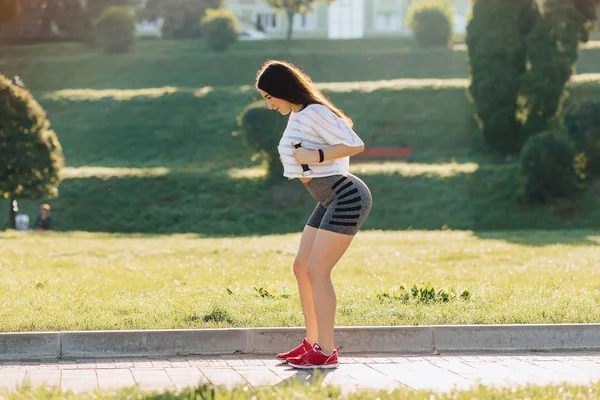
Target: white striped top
x=317, y=127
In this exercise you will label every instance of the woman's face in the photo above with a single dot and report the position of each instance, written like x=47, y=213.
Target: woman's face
x=274, y=103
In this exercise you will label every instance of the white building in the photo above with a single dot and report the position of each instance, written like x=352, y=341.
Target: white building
x=343, y=19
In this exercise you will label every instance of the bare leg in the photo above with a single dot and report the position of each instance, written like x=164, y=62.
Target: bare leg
x=304, y=288
x=327, y=250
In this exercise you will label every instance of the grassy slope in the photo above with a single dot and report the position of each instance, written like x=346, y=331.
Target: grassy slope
x=189, y=64
x=179, y=141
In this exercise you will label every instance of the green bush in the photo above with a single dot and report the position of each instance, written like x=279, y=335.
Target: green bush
x=114, y=30
x=181, y=18
x=552, y=49
x=521, y=56
x=262, y=129
x=547, y=169
x=432, y=23
x=497, y=59
x=582, y=120
x=220, y=28
x=30, y=155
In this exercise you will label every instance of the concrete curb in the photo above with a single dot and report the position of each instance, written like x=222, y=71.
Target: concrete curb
x=379, y=339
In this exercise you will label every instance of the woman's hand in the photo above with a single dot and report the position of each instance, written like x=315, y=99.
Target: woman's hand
x=306, y=156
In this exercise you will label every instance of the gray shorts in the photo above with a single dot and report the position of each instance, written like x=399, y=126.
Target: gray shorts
x=344, y=202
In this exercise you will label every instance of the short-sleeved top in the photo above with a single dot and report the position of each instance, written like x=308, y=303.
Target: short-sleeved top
x=317, y=127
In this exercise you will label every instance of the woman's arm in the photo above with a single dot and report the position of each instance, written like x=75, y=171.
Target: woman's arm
x=311, y=156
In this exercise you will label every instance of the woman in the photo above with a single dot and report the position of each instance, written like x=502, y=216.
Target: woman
x=327, y=141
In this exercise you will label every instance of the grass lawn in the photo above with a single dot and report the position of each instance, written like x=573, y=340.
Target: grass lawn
x=237, y=201
x=317, y=391
x=151, y=142
x=84, y=281
x=188, y=63
x=169, y=160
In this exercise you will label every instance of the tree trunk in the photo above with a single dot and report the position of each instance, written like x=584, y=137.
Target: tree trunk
x=12, y=213
x=290, y=15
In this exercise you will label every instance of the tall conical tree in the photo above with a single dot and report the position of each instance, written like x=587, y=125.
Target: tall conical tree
x=496, y=48
x=520, y=62
x=552, y=51
x=30, y=154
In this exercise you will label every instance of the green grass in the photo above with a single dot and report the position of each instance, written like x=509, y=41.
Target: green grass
x=317, y=391
x=196, y=126
x=84, y=281
x=190, y=64
x=151, y=141
x=190, y=126
x=237, y=201
x=136, y=165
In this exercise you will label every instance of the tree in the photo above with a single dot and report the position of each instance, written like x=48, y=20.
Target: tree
x=260, y=128
x=63, y=18
x=521, y=59
x=496, y=49
x=431, y=22
x=114, y=30
x=220, y=28
x=181, y=18
x=552, y=49
x=95, y=8
x=9, y=10
x=291, y=8
x=30, y=155
x=70, y=17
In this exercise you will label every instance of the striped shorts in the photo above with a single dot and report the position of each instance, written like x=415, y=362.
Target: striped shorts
x=344, y=202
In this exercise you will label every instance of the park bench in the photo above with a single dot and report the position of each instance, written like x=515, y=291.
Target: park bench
x=373, y=153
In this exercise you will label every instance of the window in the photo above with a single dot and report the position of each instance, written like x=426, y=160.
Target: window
x=388, y=21
x=388, y=15
x=267, y=20
x=305, y=22
x=346, y=19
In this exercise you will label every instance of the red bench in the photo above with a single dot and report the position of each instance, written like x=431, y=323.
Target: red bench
x=385, y=152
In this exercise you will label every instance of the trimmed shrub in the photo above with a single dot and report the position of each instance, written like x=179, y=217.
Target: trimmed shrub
x=181, y=18
x=547, y=169
x=114, y=30
x=432, y=23
x=220, y=28
x=262, y=129
x=520, y=60
x=30, y=155
x=582, y=120
x=552, y=50
x=497, y=59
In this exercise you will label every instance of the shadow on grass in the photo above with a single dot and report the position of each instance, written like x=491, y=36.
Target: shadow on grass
x=216, y=204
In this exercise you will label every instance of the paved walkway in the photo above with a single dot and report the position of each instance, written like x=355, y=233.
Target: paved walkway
x=384, y=371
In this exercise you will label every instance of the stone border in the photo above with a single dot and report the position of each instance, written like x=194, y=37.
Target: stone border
x=399, y=339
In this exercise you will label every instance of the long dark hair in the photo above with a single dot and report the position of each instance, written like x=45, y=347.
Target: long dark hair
x=286, y=81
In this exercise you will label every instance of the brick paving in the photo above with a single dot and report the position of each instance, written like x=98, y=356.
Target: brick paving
x=387, y=371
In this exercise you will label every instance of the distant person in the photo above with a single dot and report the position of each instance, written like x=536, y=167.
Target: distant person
x=44, y=221
x=322, y=162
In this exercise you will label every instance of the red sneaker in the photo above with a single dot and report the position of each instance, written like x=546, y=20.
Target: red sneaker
x=298, y=351
x=315, y=359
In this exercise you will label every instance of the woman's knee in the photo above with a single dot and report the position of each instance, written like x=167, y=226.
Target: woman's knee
x=300, y=268
x=316, y=271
